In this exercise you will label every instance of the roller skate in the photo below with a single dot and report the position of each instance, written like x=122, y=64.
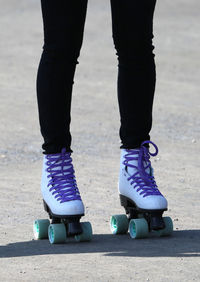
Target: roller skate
x=139, y=195
x=62, y=201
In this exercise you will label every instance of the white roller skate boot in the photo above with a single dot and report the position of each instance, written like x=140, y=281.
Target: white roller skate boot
x=58, y=185
x=136, y=179
x=62, y=200
x=139, y=194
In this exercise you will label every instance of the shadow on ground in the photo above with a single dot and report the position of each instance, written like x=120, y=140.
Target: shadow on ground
x=185, y=243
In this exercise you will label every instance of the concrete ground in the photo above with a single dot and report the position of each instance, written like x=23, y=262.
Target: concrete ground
x=95, y=124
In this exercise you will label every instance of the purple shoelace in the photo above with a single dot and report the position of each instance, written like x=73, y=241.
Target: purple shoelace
x=62, y=176
x=144, y=182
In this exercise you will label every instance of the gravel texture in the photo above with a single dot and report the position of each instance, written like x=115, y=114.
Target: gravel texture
x=95, y=123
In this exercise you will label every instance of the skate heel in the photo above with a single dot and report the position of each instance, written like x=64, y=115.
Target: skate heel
x=129, y=207
x=45, y=206
x=125, y=202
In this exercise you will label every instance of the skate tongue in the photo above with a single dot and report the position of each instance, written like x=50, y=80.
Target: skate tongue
x=64, y=170
x=134, y=162
x=131, y=170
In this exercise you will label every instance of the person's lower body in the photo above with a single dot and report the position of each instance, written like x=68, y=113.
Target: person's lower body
x=63, y=35
x=132, y=24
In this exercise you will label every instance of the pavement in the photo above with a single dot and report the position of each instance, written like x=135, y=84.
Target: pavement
x=95, y=124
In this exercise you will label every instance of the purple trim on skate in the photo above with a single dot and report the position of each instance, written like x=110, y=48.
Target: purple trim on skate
x=144, y=182
x=63, y=180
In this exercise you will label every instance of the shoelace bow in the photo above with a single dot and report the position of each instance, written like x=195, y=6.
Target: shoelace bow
x=144, y=182
x=62, y=176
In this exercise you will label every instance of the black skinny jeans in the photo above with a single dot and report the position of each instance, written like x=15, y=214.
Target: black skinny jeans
x=132, y=23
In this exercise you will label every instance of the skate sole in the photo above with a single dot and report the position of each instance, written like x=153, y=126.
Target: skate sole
x=129, y=203
x=51, y=214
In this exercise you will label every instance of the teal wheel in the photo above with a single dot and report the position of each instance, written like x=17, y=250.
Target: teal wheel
x=119, y=224
x=168, y=230
x=40, y=228
x=138, y=228
x=57, y=233
x=87, y=233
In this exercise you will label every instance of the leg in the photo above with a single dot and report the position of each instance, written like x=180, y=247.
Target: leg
x=132, y=34
x=63, y=34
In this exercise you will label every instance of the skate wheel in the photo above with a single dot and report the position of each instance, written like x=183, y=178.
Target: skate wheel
x=167, y=231
x=119, y=224
x=40, y=229
x=57, y=233
x=87, y=233
x=138, y=228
